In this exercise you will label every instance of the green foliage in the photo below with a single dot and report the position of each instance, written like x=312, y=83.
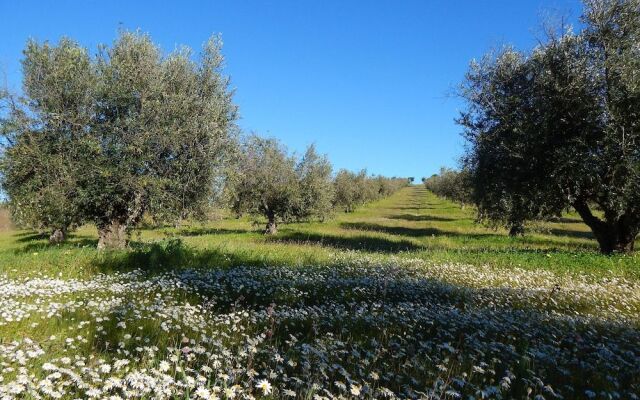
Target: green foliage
x=385, y=187
x=112, y=138
x=353, y=190
x=451, y=184
x=316, y=188
x=346, y=190
x=278, y=186
x=559, y=128
x=42, y=134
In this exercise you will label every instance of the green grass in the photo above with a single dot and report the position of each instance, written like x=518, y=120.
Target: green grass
x=409, y=287
x=413, y=223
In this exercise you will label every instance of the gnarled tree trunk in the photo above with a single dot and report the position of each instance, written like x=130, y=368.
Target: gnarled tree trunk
x=613, y=234
x=112, y=236
x=516, y=230
x=616, y=236
x=272, y=226
x=58, y=236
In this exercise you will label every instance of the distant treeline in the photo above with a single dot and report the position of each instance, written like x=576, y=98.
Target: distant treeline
x=451, y=184
x=266, y=180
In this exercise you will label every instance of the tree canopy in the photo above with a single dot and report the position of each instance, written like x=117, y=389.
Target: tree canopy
x=355, y=189
x=560, y=127
x=110, y=138
x=272, y=183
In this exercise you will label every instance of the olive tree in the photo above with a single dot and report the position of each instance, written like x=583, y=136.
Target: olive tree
x=42, y=134
x=382, y=186
x=316, y=186
x=127, y=133
x=161, y=126
x=559, y=127
x=349, y=189
x=276, y=185
x=355, y=189
x=451, y=184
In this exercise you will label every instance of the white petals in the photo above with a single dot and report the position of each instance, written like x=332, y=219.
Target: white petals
x=358, y=328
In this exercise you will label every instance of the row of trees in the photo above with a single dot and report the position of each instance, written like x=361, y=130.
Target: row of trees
x=458, y=186
x=278, y=186
x=281, y=187
x=451, y=184
x=559, y=127
x=132, y=133
x=355, y=189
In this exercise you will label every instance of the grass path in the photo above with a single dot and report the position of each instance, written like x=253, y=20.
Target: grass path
x=416, y=223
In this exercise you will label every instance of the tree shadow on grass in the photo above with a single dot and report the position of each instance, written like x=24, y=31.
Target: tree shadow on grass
x=171, y=255
x=504, y=240
x=392, y=230
x=357, y=242
x=204, y=231
x=568, y=220
x=41, y=243
x=423, y=207
x=416, y=207
x=23, y=233
x=25, y=237
x=572, y=233
x=422, y=218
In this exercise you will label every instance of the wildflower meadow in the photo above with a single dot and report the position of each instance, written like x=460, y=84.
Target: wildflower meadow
x=385, y=323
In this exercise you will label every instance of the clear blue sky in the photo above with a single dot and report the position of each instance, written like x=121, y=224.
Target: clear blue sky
x=369, y=82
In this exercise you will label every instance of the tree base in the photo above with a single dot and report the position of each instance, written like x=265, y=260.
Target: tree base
x=58, y=236
x=624, y=245
x=614, y=235
x=271, y=228
x=113, y=236
x=516, y=230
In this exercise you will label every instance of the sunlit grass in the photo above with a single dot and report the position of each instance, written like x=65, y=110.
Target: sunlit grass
x=407, y=294
x=413, y=223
